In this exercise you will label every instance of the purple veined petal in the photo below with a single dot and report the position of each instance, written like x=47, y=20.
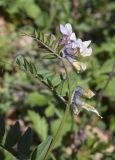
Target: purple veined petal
x=70, y=51
x=77, y=43
x=69, y=54
x=69, y=45
x=70, y=59
x=63, y=29
x=77, y=103
x=68, y=28
x=77, y=92
x=86, y=43
x=74, y=45
x=86, y=52
x=73, y=37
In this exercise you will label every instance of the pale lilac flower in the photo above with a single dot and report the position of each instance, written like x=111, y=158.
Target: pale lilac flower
x=83, y=47
x=69, y=37
x=68, y=53
x=78, y=103
x=77, y=44
x=73, y=47
x=84, y=50
x=66, y=29
x=73, y=37
x=68, y=34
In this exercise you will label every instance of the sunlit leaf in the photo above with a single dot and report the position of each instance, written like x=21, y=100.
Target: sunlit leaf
x=36, y=98
x=41, y=150
x=39, y=124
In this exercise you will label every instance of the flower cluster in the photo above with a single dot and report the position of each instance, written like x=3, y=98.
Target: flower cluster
x=74, y=47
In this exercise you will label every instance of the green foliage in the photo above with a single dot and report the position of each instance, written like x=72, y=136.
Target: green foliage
x=66, y=129
x=27, y=8
x=20, y=92
x=56, y=83
x=39, y=124
x=41, y=150
x=36, y=98
x=22, y=151
x=26, y=65
x=24, y=143
x=50, y=111
x=2, y=129
x=49, y=42
x=12, y=136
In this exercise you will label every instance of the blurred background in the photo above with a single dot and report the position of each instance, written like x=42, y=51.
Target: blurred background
x=23, y=99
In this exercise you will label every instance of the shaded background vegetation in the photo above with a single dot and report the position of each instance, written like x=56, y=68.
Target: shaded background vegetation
x=24, y=99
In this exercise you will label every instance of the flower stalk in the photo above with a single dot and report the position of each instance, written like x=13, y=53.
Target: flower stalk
x=64, y=118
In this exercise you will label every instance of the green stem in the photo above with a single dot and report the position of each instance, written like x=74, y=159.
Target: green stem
x=64, y=117
x=53, y=157
x=12, y=152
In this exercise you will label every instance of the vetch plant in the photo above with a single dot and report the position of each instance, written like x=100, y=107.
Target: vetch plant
x=67, y=49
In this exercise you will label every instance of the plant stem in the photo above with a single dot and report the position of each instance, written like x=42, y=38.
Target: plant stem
x=12, y=152
x=53, y=157
x=56, y=136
